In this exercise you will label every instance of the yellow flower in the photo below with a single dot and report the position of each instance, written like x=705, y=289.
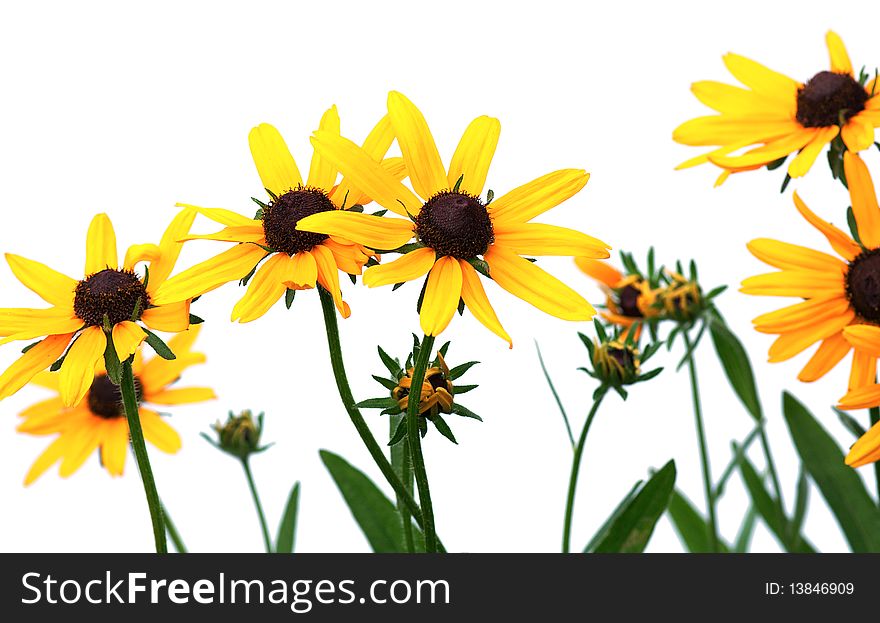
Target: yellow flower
x=629, y=298
x=453, y=226
x=841, y=297
x=777, y=116
x=296, y=260
x=108, y=295
x=866, y=450
x=99, y=422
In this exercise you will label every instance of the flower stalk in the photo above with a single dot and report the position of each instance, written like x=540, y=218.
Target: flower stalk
x=414, y=440
x=267, y=540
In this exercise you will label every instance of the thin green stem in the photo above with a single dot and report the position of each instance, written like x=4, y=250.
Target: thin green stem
x=350, y=405
x=575, y=470
x=414, y=439
x=556, y=396
x=130, y=403
x=771, y=470
x=874, y=413
x=739, y=451
x=403, y=468
x=173, y=534
x=701, y=436
x=267, y=540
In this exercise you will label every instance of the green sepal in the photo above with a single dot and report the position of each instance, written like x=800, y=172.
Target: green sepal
x=158, y=345
x=443, y=428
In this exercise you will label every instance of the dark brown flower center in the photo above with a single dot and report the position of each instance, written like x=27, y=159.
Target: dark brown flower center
x=118, y=294
x=863, y=285
x=281, y=216
x=628, y=301
x=623, y=356
x=829, y=98
x=105, y=398
x=455, y=224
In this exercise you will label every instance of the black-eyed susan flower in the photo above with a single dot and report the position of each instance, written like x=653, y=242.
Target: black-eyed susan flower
x=111, y=300
x=436, y=397
x=271, y=253
x=841, y=297
x=775, y=116
x=630, y=297
x=616, y=360
x=99, y=422
x=457, y=234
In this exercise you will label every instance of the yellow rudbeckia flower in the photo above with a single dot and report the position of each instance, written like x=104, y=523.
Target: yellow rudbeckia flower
x=629, y=298
x=99, y=422
x=841, y=298
x=777, y=116
x=109, y=293
x=453, y=226
x=294, y=260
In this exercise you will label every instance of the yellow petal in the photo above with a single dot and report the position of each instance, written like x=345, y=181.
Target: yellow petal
x=805, y=159
x=376, y=145
x=127, y=336
x=183, y=395
x=739, y=102
x=220, y=215
x=840, y=62
x=839, y=241
x=759, y=78
x=328, y=277
x=302, y=271
x=801, y=283
x=407, y=267
x=49, y=457
x=602, y=272
x=158, y=372
x=141, y=253
x=533, y=285
x=264, y=290
x=25, y=324
x=50, y=285
x=802, y=315
x=791, y=256
x=417, y=145
x=33, y=361
x=864, y=337
x=169, y=248
x=442, y=294
x=864, y=200
x=80, y=446
x=529, y=200
x=541, y=239
x=114, y=446
x=867, y=448
x=858, y=133
x=790, y=344
x=275, y=165
x=864, y=370
x=101, y=245
x=78, y=369
x=828, y=355
x=246, y=233
x=773, y=150
x=158, y=432
x=473, y=155
x=474, y=297
x=231, y=265
x=375, y=232
x=171, y=317
x=724, y=129
x=366, y=174
x=182, y=342
x=322, y=173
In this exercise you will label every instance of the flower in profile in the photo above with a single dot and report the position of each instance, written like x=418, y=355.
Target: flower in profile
x=99, y=422
x=294, y=260
x=681, y=298
x=239, y=435
x=840, y=304
x=457, y=234
x=630, y=296
x=437, y=396
x=109, y=303
x=776, y=116
x=616, y=360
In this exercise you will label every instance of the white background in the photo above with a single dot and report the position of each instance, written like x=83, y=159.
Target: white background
x=107, y=108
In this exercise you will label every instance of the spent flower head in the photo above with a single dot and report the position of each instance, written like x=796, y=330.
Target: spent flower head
x=616, y=359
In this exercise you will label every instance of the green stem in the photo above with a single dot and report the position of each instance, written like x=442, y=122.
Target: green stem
x=267, y=540
x=173, y=534
x=403, y=468
x=414, y=439
x=130, y=403
x=575, y=469
x=701, y=436
x=874, y=413
x=350, y=405
x=774, y=477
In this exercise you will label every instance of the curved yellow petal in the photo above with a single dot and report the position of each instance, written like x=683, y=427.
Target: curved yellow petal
x=25, y=324
x=533, y=285
x=158, y=432
x=864, y=337
x=473, y=155
x=442, y=294
x=793, y=343
x=101, y=245
x=78, y=369
x=127, y=336
x=602, y=272
x=801, y=283
x=828, y=355
x=807, y=156
x=328, y=277
x=761, y=79
x=80, y=446
x=867, y=448
x=858, y=133
x=182, y=342
x=541, y=239
x=417, y=145
x=220, y=215
x=158, y=372
x=32, y=362
x=51, y=286
x=366, y=174
x=864, y=200
x=264, y=290
x=170, y=246
x=376, y=232
x=231, y=265
x=141, y=253
x=322, y=173
x=170, y=317
x=275, y=165
x=791, y=256
x=529, y=200
x=802, y=315
x=475, y=299
x=839, y=241
x=727, y=130
x=376, y=145
x=407, y=267
x=51, y=455
x=183, y=395
x=114, y=446
x=302, y=271
x=739, y=102
x=837, y=54
x=773, y=150
x=864, y=370
x=244, y=233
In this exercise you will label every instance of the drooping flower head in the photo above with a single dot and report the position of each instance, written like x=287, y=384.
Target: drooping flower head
x=275, y=257
x=776, y=116
x=630, y=296
x=109, y=302
x=841, y=297
x=99, y=422
x=454, y=233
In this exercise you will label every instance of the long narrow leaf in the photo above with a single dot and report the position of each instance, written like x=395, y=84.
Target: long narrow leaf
x=691, y=526
x=286, y=538
x=736, y=366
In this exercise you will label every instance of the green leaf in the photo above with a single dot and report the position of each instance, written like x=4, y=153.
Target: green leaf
x=111, y=362
x=158, y=345
x=632, y=529
x=377, y=403
x=443, y=428
x=29, y=346
x=800, y=504
x=399, y=432
x=463, y=389
x=289, y=295
x=737, y=367
x=193, y=319
x=463, y=411
x=287, y=530
x=850, y=423
x=390, y=363
x=691, y=526
x=746, y=531
x=373, y=512
x=841, y=486
x=459, y=371
x=386, y=383
x=602, y=532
